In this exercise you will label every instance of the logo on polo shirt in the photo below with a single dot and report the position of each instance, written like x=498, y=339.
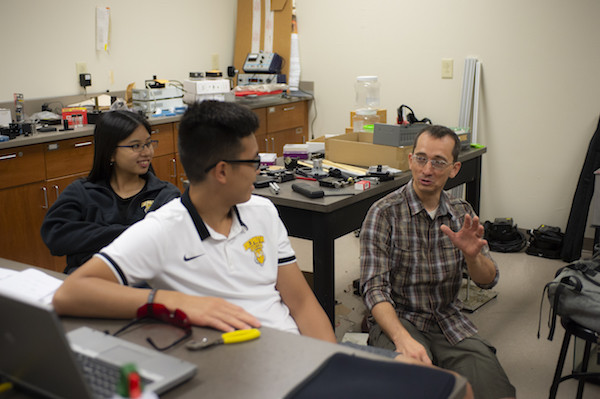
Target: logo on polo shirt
x=146, y=205
x=255, y=244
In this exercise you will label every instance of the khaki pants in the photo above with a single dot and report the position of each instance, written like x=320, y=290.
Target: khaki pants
x=473, y=358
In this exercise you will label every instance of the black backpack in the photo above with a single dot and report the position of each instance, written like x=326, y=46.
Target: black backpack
x=545, y=241
x=504, y=236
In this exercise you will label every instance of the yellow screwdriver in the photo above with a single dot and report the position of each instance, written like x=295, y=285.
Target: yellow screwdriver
x=227, y=338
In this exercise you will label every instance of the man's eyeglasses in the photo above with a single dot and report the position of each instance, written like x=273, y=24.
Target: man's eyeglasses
x=438, y=164
x=159, y=312
x=141, y=147
x=255, y=161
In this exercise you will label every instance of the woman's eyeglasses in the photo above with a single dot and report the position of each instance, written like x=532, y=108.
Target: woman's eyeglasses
x=255, y=161
x=157, y=311
x=141, y=147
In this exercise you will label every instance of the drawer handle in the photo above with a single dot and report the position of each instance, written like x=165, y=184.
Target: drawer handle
x=9, y=156
x=155, y=131
x=289, y=108
x=174, y=168
x=84, y=144
x=45, y=191
x=57, y=189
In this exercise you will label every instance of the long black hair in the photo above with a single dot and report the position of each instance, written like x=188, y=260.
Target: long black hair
x=112, y=128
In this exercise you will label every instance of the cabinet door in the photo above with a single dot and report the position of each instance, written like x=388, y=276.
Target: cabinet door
x=287, y=136
x=23, y=211
x=56, y=186
x=181, y=176
x=165, y=168
x=264, y=143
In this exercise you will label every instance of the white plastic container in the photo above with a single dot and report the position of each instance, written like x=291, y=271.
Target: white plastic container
x=367, y=92
x=364, y=117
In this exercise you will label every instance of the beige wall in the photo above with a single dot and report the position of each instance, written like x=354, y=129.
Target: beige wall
x=539, y=100
x=539, y=104
x=42, y=41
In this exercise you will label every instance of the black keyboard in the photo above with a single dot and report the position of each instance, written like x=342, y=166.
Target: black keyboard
x=102, y=378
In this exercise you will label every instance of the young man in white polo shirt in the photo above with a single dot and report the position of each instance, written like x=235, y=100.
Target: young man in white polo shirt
x=219, y=253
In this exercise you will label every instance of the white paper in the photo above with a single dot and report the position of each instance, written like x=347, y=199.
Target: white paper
x=269, y=26
x=4, y=273
x=102, y=28
x=256, y=10
x=294, y=72
x=29, y=283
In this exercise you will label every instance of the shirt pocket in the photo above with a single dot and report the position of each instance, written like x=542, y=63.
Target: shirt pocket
x=409, y=266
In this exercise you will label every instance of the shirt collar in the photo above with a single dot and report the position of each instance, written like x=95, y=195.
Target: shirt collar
x=198, y=222
x=415, y=205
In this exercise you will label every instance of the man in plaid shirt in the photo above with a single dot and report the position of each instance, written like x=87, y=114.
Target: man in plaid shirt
x=415, y=244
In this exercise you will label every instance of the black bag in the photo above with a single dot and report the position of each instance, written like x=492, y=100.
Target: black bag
x=574, y=294
x=545, y=241
x=504, y=236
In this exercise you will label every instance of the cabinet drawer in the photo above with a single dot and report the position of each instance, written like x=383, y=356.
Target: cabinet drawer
x=285, y=116
x=66, y=157
x=164, y=134
x=22, y=165
x=262, y=120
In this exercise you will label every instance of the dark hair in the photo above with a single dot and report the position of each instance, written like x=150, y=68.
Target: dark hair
x=439, y=132
x=112, y=128
x=209, y=132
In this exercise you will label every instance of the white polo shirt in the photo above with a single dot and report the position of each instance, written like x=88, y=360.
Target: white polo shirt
x=173, y=249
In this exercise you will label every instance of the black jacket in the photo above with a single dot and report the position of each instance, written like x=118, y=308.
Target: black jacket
x=575, y=231
x=86, y=217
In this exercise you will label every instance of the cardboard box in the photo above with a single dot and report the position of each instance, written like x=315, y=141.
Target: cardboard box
x=358, y=149
x=282, y=31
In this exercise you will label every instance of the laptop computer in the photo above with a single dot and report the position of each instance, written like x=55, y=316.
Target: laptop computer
x=36, y=354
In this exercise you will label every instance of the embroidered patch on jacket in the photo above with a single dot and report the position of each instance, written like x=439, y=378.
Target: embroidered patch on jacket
x=146, y=205
x=255, y=244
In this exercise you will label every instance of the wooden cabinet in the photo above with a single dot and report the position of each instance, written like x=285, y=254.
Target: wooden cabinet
x=280, y=125
x=24, y=200
x=33, y=176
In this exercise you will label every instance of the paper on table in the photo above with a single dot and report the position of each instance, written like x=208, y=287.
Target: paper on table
x=29, y=283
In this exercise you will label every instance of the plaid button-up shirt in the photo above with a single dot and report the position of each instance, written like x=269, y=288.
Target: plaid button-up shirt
x=408, y=261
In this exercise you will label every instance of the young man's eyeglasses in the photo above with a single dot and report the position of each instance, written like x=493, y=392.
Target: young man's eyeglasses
x=255, y=162
x=141, y=147
x=438, y=164
x=157, y=311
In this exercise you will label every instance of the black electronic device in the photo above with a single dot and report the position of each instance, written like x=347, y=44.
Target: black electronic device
x=307, y=190
x=85, y=79
x=263, y=181
x=333, y=182
x=281, y=176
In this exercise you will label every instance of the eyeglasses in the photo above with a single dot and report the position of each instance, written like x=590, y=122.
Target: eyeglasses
x=141, y=147
x=255, y=161
x=157, y=311
x=438, y=164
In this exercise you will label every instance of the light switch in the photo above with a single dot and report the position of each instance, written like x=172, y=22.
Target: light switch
x=447, y=68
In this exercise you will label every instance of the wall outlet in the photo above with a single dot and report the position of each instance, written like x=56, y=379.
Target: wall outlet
x=81, y=67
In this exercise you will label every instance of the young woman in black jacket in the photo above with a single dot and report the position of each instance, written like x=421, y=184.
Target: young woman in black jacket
x=120, y=189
